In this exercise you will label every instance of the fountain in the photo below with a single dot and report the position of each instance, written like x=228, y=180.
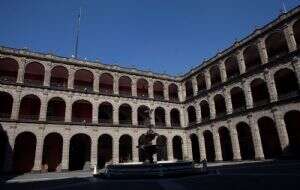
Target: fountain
x=149, y=168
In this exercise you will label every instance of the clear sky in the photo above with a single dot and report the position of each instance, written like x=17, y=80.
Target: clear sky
x=170, y=36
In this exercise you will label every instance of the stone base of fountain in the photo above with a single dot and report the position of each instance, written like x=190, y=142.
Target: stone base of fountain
x=153, y=170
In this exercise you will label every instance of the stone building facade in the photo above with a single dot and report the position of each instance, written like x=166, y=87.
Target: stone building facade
x=61, y=113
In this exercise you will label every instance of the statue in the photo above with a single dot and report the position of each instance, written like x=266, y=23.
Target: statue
x=147, y=147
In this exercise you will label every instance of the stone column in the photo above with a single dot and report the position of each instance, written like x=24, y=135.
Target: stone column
x=271, y=86
x=135, y=151
x=248, y=94
x=262, y=51
x=134, y=116
x=183, y=121
x=115, y=155
x=207, y=79
x=217, y=145
x=234, y=141
x=281, y=128
x=182, y=92
x=16, y=106
x=71, y=78
x=195, y=85
x=186, y=149
x=290, y=38
x=134, y=87
x=222, y=69
x=94, y=151
x=198, y=113
x=202, y=145
x=95, y=112
x=43, y=110
x=168, y=118
x=259, y=154
x=228, y=100
x=170, y=148
x=115, y=115
x=38, y=152
x=152, y=118
x=96, y=81
x=116, y=84
x=65, y=153
x=47, y=76
x=212, y=107
x=68, y=111
x=150, y=89
x=21, y=71
x=241, y=61
x=166, y=91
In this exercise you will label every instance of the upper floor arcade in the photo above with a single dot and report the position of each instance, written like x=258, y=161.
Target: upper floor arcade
x=276, y=41
x=58, y=76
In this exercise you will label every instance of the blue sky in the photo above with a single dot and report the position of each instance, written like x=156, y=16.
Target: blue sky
x=170, y=36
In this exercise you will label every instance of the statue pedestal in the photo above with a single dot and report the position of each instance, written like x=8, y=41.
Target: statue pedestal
x=151, y=170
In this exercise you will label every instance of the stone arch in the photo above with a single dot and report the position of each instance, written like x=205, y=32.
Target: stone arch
x=215, y=75
x=175, y=117
x=269, y=137
x=296, y=30
x=226, y=146
x=220, y=105
x=59, y=77
x=201, y=82
x=276, y=45
x=52, y=152
x=162, y=155
x=105, y=114
x=8, y=70
x=192, y=118
x=286, y=83
x=105, y=150
x=251, y=57
x=209, y=145
x=195, y=147
x=125, y=114
x=6, y=102
x=260, y=93
x=24, y=152
x=83, y=80
x=125, y=148
x=82, y=111
x=160, y=116
x=30, y=107
x=106, y=83
x=238, y=99
x=142, y=88
x=80, y=152
x=232, y=67
x=143, y=115
x=158, y=90
x=177, y=148
x=34, y=74
x=125, y=86
x=56, y=109
x=173, y=92
x=189, y=91
x=205, y=111
x=245, y=141
x=291, y=119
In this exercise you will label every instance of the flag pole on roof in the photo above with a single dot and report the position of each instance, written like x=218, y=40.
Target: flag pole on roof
x=283, y=6
x=77, y=34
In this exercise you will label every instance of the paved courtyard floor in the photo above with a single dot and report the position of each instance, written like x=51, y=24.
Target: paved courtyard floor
x=254, y=176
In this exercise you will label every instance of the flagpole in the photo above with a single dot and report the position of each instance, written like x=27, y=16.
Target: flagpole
x=77, y=34
x=283, y=6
